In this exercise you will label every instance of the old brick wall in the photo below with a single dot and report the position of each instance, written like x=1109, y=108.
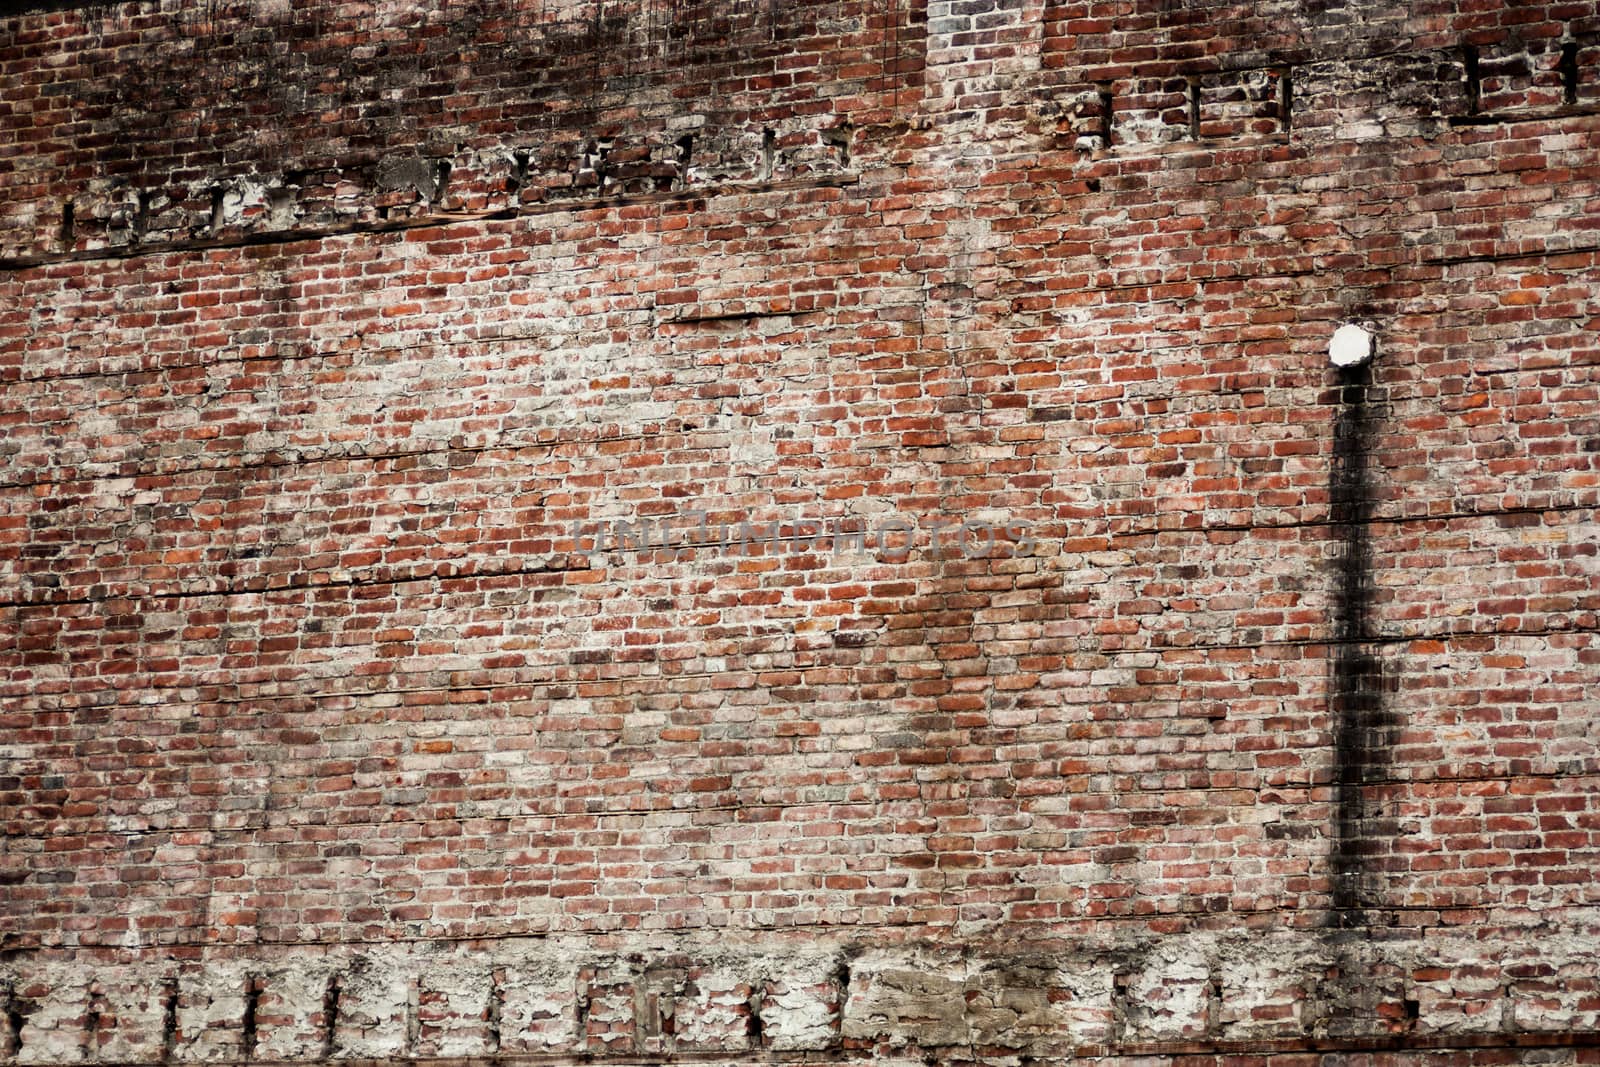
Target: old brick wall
x=334, y=336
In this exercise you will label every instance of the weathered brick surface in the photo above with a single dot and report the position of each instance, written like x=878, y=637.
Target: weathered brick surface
x=360, y=362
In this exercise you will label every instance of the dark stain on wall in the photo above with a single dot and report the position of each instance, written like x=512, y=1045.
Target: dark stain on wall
x=1356, y=684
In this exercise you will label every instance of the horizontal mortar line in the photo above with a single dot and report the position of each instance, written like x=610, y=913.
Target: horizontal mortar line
x=1330, y=782
x=625, y=681
x=986, y=933
x=1406, y=1042
x=1333, y=641
x=370, y=357
x=277, y=461
x=353, y=582
x=880, y=808
x=1122, y=287
x=1413, y=933
x=1320, y=782
x=716, y=548
x=1200, y=283
x=1507, y=257
x=1376, y=520
x=386, y=226
x=731, y=316
x=883, y=808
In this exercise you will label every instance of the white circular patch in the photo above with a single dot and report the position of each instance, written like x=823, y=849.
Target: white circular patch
x=1351, y=346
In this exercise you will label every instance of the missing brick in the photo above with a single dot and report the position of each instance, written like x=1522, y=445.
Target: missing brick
x=685, y=157
x=491, y=1011
x=1194, y=109
x=755, y=1028
x=769, y=154
x=92, y=1018
x=141, y=215
x=1108, y=103
x=1474, y=77
x=280, y=207
x=413, y=1016
x=1286, y=100
x=66, y=235
x=441, y=179
x=838, y=138
x=169, y=1019
x=1120, y=982
x=252, y=1007
x=14, y=1017
x=580, y=1011
x=1569, y=71
x=330, y=1016
x=218, y=196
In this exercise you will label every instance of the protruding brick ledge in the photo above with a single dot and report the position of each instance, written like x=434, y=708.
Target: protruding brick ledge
x=790, y=997
x=238, y=237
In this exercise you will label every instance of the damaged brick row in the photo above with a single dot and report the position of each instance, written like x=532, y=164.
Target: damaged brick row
x=420, y=185
x=1495, y=85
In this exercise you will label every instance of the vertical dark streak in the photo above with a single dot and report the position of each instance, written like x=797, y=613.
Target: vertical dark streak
x=769, y=154
x=1286, y=100
x=891, y=69
x=755, y=1025
x=1569, y=72
x=330, y=1017
x=442, y=169
x=841, y=987
x=15, y=1019
x=1108, y=103
x=685, y=157
x=252, y=1003
x=169, y=1019
x=1469, y=60
x=1356, y=685
x=91, y=1022
x=1194, y=109
x=494, y=1008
